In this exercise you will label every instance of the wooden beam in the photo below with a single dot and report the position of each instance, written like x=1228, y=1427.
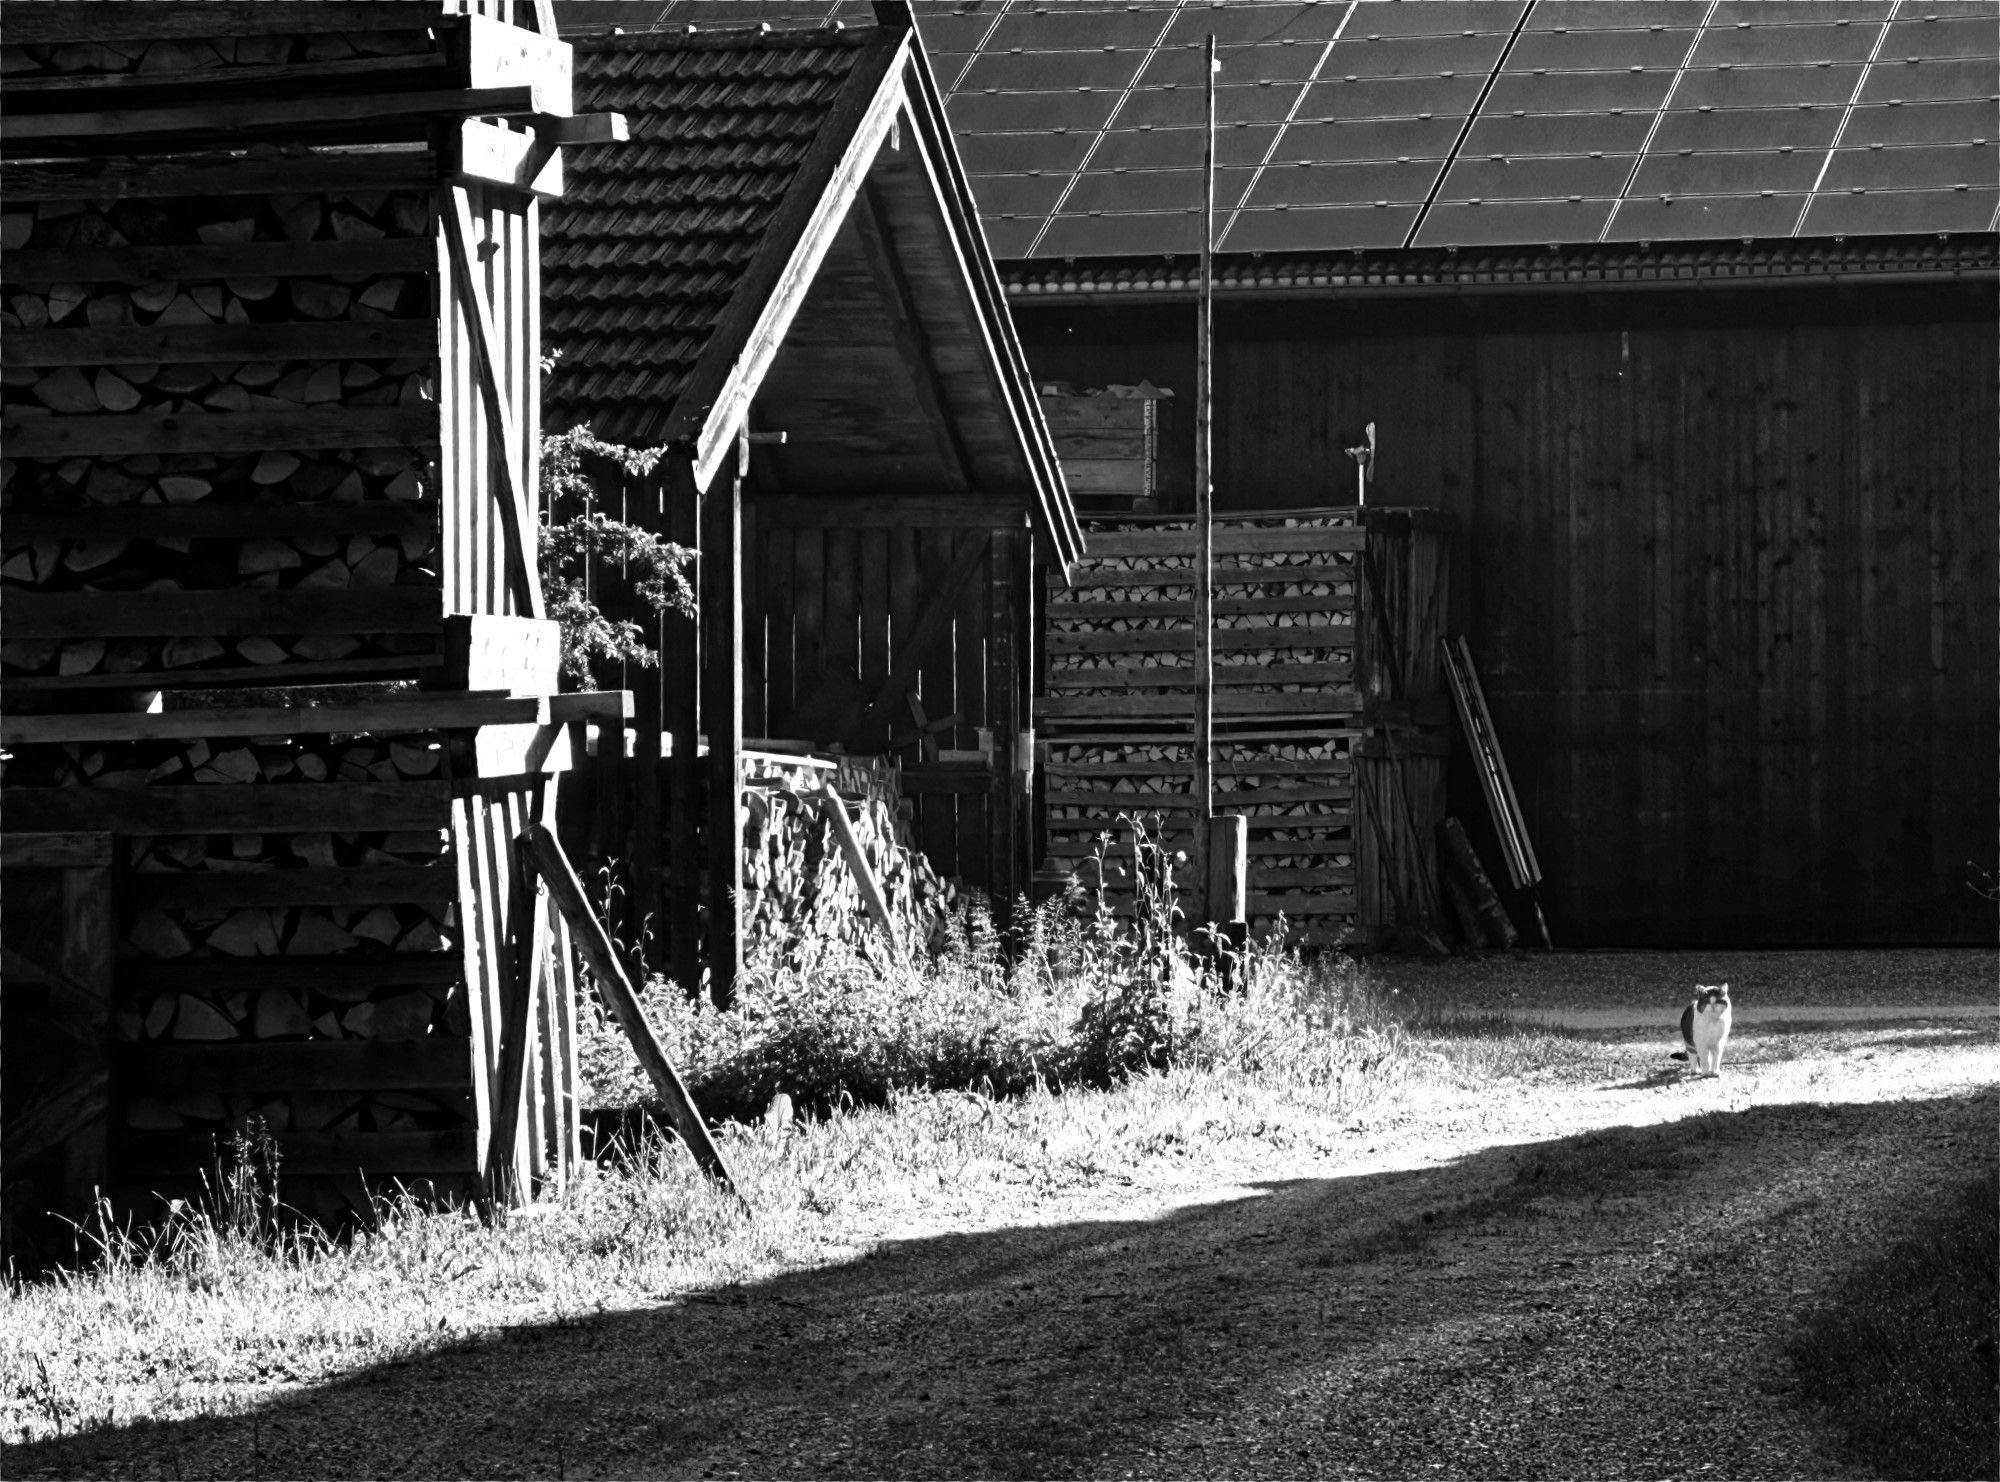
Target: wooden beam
x=924, y=634
x=230, y=808
x=553, y=866
x=220, y=521
x=222, y=174
x=317, y=974
x=222, y=117
x=119, y=20
x=674, y=692
x=431, y=1064
x=722, y=716
x=912, y=343
x=179, y=344
x=55, y=851
x=217, y=432
x=200, y=890
x=516, y=502
x=358, y=670
x=224, y=260
x=893, y=512
x=428, y=712
x=833, y=808
x=236, y=613
x=505, y=1158
x=487, y=154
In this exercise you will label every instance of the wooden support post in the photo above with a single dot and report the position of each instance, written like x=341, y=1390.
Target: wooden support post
x=676, y=891
x=1228, y=868
x=834, y=809
x=722, y=713
x=1003, y=718
x=1204, y=506
x=588, y=932
x=504, y=1164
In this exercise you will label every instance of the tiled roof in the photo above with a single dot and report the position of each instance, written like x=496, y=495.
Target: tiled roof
x=1452, y=270
x=652, y=237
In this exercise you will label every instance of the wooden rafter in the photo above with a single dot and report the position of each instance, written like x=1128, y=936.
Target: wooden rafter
x=912, y=343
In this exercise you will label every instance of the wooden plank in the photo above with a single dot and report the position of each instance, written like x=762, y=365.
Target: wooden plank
x=55, y=851
x=1316, y=767
x=220, y=521
x=217, y=975
x=232, y=808
x=959, y=778
x=238, y=613
x=1247, y=797
x=401, y=666
x=388, y=717
x=201, y=890
x=169, y=1069
x=521, y=1019
x=180, y=344
x=930, y=626
x=1006, y=586
x=220, y=117
x=141, y=178
x=204, y=263
x=1228, y=541
x=118, y=20
x=416, y=71
x=834, y=810
x=217, y=432
x=903, y=511
x=1271, y=878
x=1227, y=640
x=589, y=935
x=373, y=1154
x=1077, y=838
x=515, y=500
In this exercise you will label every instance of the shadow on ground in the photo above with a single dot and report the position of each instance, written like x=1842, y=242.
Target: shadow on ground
x=1086, y=1348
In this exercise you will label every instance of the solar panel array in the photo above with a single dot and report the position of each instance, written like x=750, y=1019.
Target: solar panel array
x=1430, y=123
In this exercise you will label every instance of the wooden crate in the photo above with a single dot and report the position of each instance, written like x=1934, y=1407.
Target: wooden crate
x=272, y=620
x=1108, y=445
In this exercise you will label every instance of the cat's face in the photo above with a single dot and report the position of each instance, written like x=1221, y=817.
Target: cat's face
x=1711, y=998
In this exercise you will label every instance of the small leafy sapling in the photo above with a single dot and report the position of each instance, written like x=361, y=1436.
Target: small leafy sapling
x=580, y=543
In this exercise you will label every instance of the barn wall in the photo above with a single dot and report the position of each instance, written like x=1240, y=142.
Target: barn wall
x=1729, y=574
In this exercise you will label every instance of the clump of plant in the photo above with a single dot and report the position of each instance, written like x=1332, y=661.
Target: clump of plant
x=1085, y=993
x=581, y=546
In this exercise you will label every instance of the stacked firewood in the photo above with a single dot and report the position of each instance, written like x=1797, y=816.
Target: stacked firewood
x=273, y=759
x=204, y=53
x=799, y=886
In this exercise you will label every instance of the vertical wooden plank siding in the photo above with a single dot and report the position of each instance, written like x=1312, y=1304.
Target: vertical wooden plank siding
x=1729, y=577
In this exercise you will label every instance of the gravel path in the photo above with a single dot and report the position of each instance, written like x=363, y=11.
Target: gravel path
x=1577, y=1274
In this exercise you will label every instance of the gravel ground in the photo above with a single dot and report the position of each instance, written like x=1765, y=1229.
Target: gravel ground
x=1468, y=1286
x=1664, y=981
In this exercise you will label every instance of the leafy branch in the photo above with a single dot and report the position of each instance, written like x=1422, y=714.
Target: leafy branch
x=579, y=542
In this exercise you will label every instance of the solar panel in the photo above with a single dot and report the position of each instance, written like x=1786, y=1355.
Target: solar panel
x=1079, y=120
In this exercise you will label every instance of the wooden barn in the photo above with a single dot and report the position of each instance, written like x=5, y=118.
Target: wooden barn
x=780, y=281
x=1686, y=316
x=280, y=698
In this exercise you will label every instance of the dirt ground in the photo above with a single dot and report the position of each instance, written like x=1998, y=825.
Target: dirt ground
x=1586, y=1272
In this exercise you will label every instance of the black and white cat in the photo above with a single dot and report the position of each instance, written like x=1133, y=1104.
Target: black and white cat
x=1705, y=1028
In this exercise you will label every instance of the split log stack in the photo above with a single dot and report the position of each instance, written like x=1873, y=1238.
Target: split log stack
x=270, y=359
x=1295, y=681
x=800, y=890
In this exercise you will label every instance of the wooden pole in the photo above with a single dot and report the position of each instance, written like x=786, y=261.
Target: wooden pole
x=676, y=892
x=722, y=716
x=1204, y=504
x=566, y=892
x=834, y=808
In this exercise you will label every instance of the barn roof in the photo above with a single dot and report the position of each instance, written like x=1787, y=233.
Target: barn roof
x=788, y=224
x=1456, y=123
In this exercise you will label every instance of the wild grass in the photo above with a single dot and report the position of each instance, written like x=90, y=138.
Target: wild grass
x=1904, y=1356
x=1088, y=1052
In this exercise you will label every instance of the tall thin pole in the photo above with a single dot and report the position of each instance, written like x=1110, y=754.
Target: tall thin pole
x=1204, y=507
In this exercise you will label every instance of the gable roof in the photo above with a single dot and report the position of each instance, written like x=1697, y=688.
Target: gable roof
x=654, y=240
x=1392, y=124
x=775, y=177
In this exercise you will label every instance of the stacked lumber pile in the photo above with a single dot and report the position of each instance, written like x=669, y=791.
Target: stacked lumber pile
x=799, y=885
x=1121, y=682
x=267, y=380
